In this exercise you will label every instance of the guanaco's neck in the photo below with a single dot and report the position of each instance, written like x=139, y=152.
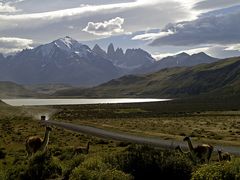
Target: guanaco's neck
x=45, y=140
x=220, y=155
x=190, y=145
x=87, y=146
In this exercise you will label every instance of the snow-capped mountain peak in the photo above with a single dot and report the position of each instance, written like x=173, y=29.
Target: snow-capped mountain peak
x=66, y=44
x=70, y=45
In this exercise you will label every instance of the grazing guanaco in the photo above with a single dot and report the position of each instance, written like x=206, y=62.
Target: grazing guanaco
x=200, y=153
x=223, y=156
x=35, y=143
x=82, y=150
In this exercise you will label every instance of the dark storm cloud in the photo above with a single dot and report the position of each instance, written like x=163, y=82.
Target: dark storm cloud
x=214, y=29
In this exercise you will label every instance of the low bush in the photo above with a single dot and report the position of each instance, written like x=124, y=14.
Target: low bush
x=2, y=175
x=96, y=168
x=71, y=164
x=43, y=166
x=40, y=167
x=147, y=163
x=220, y=170
x=16, y=172
x=66, y=153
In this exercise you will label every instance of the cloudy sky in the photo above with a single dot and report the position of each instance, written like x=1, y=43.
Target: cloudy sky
x=162, y=27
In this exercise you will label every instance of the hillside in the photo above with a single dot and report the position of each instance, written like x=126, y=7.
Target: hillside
x=13, y=90
x=219, y=78
x=2, y=104
x=47, y=88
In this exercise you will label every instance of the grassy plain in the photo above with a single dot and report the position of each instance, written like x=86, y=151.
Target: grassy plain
x=206, y=122
x=17, y=124
x=167, y=120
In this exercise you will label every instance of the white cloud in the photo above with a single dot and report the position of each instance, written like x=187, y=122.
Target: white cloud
x=159, y=56
x=151, y=36
x=49, y=20
x=233, y=47
x=218, y=51
x=6, y=8
x=9, y=51
x=139, y=12
x=196, y=50
x=13, y=44
x=106, y=28
x=70, y=27
x=82, y=10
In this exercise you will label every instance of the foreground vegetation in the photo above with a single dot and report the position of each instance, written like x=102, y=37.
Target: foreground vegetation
x=110, y=159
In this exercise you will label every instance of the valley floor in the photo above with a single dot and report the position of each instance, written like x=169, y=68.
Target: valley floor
x=155, y=120
x=213, y=124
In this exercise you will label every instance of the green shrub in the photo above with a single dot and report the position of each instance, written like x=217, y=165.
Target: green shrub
x=115, y=174
x=220, y=170
x=66, y=153
x=2, y=175
x=95, y=163
x=147, y=163
x=43, y=166
x=40, y=167
x=71, y=164
x=56, y=151
x=82, y=173
x=94, y=168
x=16, y=172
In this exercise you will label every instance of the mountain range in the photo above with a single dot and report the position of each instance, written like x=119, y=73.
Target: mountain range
x=179, y=60
x=218, y=79
x=62, y=61
x=66, y=61
x=131, y=59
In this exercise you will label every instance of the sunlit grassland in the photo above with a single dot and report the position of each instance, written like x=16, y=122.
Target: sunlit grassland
x=17, y=124
x=167, y=121
x=217, y=127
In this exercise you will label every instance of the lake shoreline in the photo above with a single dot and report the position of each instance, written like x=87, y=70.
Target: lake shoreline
x=46, y=102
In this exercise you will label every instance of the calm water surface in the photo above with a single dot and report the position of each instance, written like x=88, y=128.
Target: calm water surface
x=39, y=102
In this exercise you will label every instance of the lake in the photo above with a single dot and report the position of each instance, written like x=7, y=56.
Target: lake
x=41, y=102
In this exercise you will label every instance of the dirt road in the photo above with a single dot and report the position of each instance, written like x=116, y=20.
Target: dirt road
x=132, y=138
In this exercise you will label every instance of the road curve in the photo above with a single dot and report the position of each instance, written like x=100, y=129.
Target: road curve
x=132, y=138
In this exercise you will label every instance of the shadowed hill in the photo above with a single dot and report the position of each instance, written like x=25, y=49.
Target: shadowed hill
x=13, y=90
x=219, y=78
x=2, y=104
x=47, y=88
